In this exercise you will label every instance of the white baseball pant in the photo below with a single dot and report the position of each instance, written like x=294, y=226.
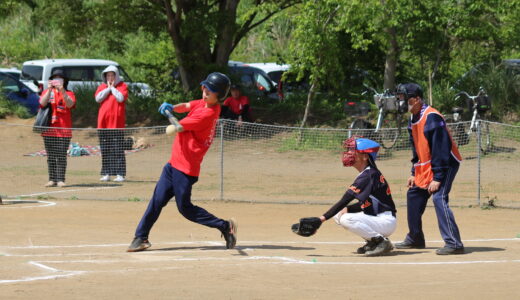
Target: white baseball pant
x=367, y=226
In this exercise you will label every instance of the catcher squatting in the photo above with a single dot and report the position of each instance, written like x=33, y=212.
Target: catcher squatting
x=373, y=216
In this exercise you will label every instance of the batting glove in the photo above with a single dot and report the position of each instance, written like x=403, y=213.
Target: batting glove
x=164, y=107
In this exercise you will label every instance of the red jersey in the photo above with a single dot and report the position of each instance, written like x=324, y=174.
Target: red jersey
x=190, y=145
x=112, y=114
x=61, y=114
x=237, y=105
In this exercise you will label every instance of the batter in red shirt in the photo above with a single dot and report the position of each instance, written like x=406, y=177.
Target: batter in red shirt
x=182, y=170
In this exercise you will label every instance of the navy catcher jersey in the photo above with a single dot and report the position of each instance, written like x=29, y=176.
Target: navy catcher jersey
x=371, y=189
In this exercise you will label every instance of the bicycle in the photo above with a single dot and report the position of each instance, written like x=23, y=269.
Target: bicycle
x=391, y=111
x=479, y=104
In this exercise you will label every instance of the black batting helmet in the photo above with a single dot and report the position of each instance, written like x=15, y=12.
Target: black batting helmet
x=217, y=83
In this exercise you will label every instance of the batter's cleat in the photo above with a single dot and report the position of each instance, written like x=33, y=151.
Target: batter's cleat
x=383, y=246
x=230, y=235
x=61, y=184
x=448, y=251
x=409, y=245
x=50, y=183
x=105, y=178
x=139, y=244
x=367, y=247
x=119, y=178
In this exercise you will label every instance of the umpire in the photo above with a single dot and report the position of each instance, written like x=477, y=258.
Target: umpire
x=436, y=160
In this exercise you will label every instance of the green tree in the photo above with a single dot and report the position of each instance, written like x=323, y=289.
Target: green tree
x=316, y=48
x=205, y=33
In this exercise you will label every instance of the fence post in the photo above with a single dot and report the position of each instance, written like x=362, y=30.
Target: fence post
x=221, y=159
x=479, y=144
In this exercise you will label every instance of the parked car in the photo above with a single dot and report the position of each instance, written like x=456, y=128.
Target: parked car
x=273, y=70
x=14, y=90
x=81, y=72
x=254, y=81
x=12, y=71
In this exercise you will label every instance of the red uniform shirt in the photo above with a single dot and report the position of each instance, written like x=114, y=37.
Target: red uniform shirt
x=237, y=105
x=61, y=114
x=112, y=114
x=190, y=145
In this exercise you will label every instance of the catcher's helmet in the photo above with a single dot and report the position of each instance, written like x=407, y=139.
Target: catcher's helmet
x=409, y=90
x=217, y=83
x=359, y=145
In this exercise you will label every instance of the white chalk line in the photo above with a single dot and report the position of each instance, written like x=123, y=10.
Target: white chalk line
x=45, y=277
x=41, y=203
x=220, y=243
x=28, y=279
x=67, y=191
x=233, y=259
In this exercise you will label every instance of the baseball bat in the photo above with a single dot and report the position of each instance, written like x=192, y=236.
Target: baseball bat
x=173, y=120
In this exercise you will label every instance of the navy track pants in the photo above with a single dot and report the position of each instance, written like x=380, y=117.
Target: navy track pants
x=416, y=202
x=175, y=183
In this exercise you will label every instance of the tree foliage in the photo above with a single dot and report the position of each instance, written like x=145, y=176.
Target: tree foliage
x=432, y=42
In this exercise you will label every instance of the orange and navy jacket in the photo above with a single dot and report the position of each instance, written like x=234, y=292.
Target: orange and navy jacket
x=434, y=151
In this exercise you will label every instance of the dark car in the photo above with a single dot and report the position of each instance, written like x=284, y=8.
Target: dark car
x=253, y=81
x=18, y=92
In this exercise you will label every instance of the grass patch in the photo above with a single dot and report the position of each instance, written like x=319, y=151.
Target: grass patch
x=309, y=140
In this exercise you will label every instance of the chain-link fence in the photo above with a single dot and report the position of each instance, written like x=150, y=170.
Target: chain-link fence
x=252, y=162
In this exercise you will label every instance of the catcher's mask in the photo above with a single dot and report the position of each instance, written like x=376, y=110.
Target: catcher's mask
x=355, y=145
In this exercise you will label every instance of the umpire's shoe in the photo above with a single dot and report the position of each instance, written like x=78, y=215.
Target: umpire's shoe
x=383, y=246
x=230, y=234
x=139, y=244
x=409, y=245
x=448, y=251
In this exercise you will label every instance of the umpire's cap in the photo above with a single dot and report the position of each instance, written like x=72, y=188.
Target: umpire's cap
x=410, y=90
x=217, y=83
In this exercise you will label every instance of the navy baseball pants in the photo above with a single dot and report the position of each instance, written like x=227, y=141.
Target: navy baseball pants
x=175, y=183
x=416, y=202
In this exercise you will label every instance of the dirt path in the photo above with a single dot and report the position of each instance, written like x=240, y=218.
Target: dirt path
x=75, y=249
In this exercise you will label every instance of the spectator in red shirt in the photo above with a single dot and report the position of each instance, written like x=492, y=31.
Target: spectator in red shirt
x=237, y=106
x=112, y=95
x=182, y=170
x=57, y=137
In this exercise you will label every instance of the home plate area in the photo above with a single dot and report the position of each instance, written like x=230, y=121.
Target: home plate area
x=33, y=263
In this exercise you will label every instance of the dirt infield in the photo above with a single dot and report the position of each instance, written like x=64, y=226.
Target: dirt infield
x=75, y=249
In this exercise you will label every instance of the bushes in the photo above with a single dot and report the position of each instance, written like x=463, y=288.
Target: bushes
x=9, y=108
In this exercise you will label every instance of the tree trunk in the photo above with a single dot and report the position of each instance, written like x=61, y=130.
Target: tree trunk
x=310, y=96
x=201, y=45
x=391, y=59
x=226, y=31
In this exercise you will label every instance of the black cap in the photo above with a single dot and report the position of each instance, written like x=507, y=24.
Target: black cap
x=410, y=90
x=58, y=72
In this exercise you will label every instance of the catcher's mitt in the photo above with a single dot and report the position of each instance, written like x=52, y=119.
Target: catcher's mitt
x=307, y=226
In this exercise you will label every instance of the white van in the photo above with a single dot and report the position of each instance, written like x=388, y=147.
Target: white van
x=81, y=72
x=273, y=70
